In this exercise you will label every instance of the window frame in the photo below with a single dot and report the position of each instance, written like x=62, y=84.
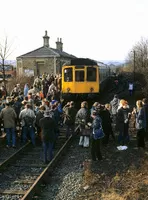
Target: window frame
x=68, y=68
x=88, y=73
x=80, y=70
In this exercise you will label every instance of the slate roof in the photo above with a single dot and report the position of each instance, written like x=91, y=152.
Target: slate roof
x=46, y=52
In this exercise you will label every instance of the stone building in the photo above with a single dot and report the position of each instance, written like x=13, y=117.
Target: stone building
x=43, y=59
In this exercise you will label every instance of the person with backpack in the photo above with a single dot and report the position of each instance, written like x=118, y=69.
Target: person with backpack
x=69, y=119
x=48, y=135
x=27, y=117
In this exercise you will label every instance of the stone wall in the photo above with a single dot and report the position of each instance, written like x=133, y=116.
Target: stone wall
x=48, y=65
x=44, y=64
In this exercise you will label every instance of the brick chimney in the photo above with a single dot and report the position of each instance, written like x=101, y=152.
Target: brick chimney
x=59, y=44
x=46, y=40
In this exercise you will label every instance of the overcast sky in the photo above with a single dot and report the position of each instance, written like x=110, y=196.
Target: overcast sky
x=97, y=29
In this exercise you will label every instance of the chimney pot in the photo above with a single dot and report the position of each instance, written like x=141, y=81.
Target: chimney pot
x=59, y=44
x=46, y=40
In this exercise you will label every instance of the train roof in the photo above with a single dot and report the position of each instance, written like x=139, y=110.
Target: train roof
x=85, y=61
x=82, y=61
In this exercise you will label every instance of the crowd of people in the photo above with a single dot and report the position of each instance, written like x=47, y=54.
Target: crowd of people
x=111, y=119
x=38, y=111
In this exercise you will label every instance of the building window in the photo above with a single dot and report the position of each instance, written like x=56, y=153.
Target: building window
x=91, y=74
x=68, y=75
x=79, y=76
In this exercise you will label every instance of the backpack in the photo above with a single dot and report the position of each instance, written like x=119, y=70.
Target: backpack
x=28, y=121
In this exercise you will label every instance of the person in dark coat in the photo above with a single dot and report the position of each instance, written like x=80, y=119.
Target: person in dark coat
x=95, y=146
x=106, y=124
x=48, y=135
x=145, y=107
x=123, y=116
x=17, y=106
x=39, y=115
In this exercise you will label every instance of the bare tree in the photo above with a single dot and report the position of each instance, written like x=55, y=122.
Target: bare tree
x=5, y=52
x=138, y=56
x=137, y=60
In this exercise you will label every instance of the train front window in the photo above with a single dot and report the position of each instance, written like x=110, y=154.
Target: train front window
x=68, y=75
x=79, y=76
x=91, y=74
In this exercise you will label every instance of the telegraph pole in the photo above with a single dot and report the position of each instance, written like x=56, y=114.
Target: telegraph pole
x=134, y=66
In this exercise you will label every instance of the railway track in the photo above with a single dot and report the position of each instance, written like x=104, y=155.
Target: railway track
x=23, y=172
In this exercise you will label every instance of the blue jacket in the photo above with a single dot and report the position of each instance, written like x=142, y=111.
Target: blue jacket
x=97, y=128
x=97, y=123
x=26, y=88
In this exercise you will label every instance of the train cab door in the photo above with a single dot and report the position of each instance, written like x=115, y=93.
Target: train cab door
x=80, y=78
x=67, y=79
x=92, y=79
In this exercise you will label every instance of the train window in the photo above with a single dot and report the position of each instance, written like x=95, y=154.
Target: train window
x=91, y=74
x=79, y=76
x=68, y=75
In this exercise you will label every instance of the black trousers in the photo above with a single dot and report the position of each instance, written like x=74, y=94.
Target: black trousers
x=140, y=138
x=95, y=149
x=108, y=131
x=146, y=133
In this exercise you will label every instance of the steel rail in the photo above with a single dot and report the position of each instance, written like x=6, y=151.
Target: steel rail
x=14, y=156
x=45, y=174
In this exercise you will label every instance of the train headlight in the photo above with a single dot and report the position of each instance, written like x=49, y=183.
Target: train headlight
x=68, y=89
x=91, y=89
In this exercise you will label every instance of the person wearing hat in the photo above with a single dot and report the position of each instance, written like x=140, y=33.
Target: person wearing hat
x=48, y=135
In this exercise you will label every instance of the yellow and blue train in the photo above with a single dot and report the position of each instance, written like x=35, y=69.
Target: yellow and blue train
x=83, y=78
